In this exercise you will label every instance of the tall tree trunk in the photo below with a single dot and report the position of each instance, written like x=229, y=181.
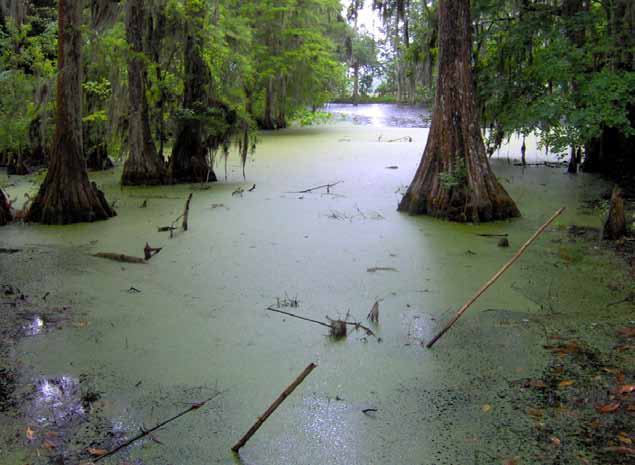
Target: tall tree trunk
x=281, y=118
x=454, y=179
x=5, y=209
x=189, y=154
x=268, y=122
x=66, y=195
x=355, y=83
x=144, y=165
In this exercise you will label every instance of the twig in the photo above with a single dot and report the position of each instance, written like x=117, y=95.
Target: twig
x=271, y=309
x=496, y=276
x=493, y=235
x=272, y=408
x=327, y=186
x=186, y=212
x=143, y=434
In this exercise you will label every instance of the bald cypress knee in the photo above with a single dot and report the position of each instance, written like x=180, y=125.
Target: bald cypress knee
x=67, y=195
x=455, y=180
x=143, y=165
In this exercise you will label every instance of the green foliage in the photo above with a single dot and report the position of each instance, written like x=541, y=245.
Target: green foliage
x=456, y=175
x=313, y=118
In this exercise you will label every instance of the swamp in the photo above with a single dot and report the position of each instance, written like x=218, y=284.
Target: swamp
x=230, y=193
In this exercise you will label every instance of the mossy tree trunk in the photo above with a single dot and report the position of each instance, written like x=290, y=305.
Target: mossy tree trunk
x=454, y=179
x=189, y=154
x=143, y=165
x=67, y=195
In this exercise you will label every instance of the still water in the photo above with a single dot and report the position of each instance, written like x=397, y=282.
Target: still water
x=199, y=322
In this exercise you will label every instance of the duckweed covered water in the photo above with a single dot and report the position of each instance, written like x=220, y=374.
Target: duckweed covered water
x=199, y=324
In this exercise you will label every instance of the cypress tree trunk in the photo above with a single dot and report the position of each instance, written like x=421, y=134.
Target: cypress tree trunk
x=143, y=165
x=454, y=179
x=5, y=209
x=66, y=195
x=268, y=122
x=189, y=154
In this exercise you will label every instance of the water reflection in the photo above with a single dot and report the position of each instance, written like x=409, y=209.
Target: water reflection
x=382, y=115
x=34, y=327
x=56, y=402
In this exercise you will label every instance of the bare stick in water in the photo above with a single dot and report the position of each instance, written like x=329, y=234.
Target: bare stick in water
x=494, y=278
x=272, y=408
x=145, y=433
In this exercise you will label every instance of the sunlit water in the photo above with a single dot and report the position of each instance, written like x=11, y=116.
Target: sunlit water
x=381, y=115
x=200, y=324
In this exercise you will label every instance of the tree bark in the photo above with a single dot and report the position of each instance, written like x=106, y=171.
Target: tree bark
x=189, y=154
x=454, y=179
x=5, y=209
x=144, y=166
x=615, y=226
x=66, y=195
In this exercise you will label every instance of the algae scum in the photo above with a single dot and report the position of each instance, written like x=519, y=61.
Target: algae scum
x=95, y=350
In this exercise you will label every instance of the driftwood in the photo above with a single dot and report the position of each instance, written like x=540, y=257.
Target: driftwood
x=272, y=408
x=311, y=189
x=145, y=433
x=496, y=276
x=119, y=257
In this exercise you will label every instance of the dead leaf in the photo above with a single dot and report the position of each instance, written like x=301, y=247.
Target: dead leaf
x=537, y=383
x=513, y=461
x=30, y=434
x=623, y=438
x=608, y=408
x=536, y=413
x=97, y=452
x=626, y=332
x=620, y=450
x=625, y=348
x=555, y=441
x=566, y=383
x=487, y=408
x=626, y=389
x=48, y=444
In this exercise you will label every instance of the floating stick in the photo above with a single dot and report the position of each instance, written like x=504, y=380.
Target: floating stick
x=494, y=278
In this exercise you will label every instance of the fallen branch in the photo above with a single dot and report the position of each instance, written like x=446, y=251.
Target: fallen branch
x=145, y=433
x=271, y=309
x=327, y=186
x=186, y=213
x=272, y=408
x=337, y=327
x=119, y=257
x=399, y=139
x=496, y=276
x=493, y=235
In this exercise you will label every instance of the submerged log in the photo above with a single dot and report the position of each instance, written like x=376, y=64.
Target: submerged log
x=119, y=257
x=615, y=226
